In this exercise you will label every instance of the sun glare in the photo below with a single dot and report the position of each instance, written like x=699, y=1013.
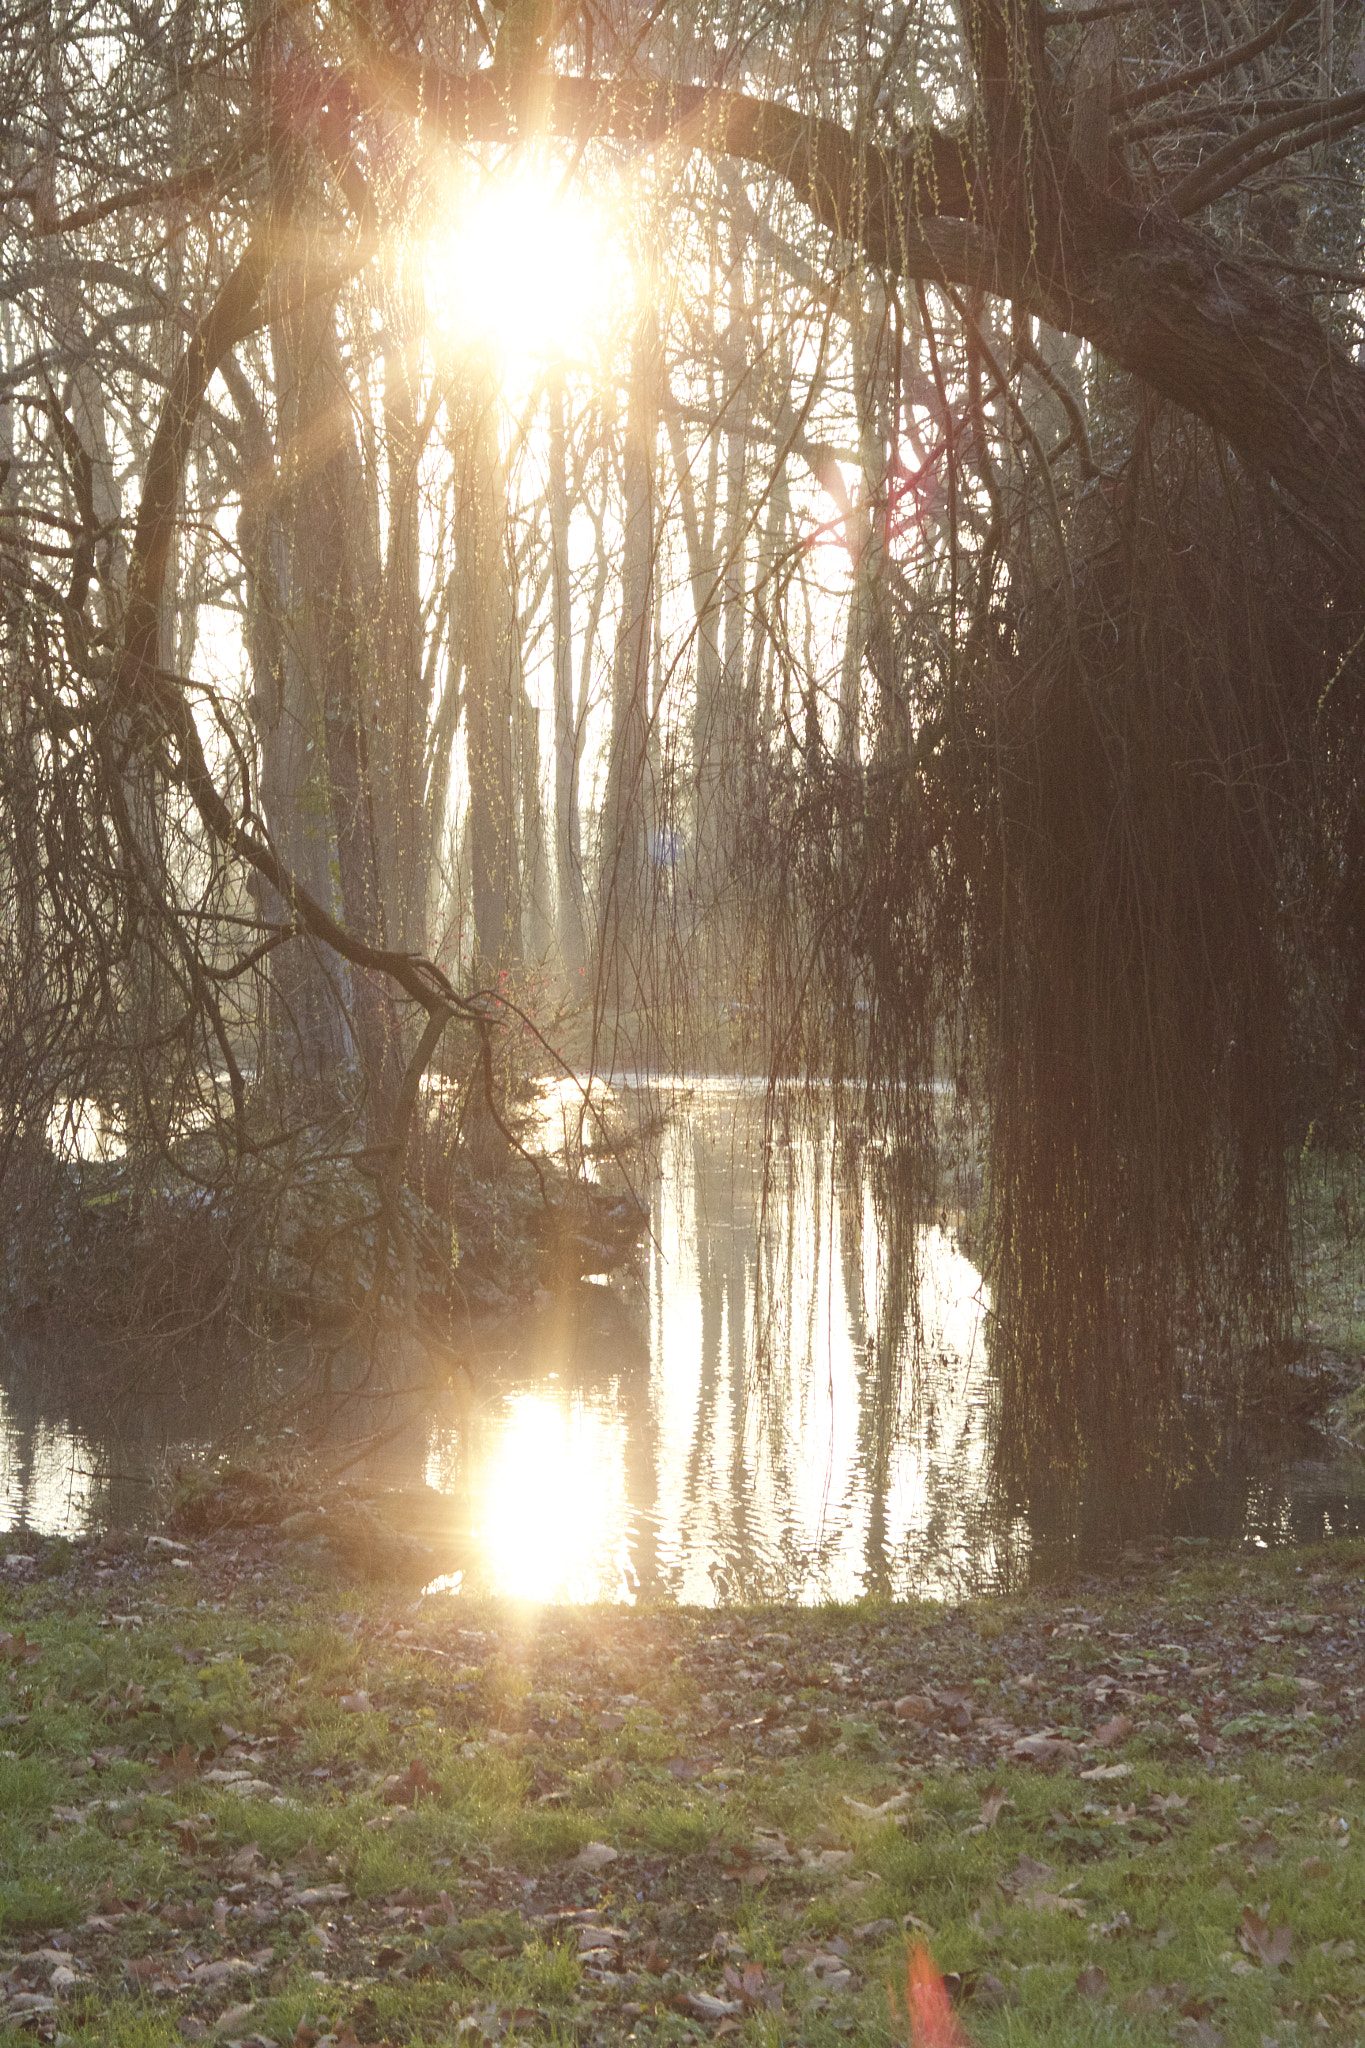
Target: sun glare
x=526, y=270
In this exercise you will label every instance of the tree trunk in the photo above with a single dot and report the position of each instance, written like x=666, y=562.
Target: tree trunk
x=493, y=692
x=340, y=609
x=568, y=844
x=623, y=883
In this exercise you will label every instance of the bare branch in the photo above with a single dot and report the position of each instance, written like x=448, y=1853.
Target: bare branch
x=1216, y=67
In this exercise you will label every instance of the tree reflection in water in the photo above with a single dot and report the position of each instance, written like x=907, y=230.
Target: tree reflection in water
x=786, y=1405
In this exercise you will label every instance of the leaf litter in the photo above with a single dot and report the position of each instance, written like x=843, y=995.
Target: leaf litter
x=279, y=1809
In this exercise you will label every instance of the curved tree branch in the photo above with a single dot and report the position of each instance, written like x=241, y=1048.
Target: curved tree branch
x=1160, y=298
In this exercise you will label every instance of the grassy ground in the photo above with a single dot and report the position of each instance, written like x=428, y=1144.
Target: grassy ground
x=242, y=1801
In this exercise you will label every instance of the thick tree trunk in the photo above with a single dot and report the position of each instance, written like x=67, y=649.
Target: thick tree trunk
x=340, y=608
x=309, y=996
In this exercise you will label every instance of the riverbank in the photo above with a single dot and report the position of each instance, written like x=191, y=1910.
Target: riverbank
x=245, y=1797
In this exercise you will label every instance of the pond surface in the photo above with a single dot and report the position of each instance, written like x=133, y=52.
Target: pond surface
x=751, y=1419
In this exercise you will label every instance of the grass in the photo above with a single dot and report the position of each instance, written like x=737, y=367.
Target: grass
x=268, y=1803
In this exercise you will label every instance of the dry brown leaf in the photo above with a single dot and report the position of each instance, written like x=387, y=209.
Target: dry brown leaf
x=1270, y=1949
x=1110, y=1733
x=915, y=1706
x=1026, y=1874
x=405, y=1787
x=594, y=1856
x=1038, y=1749
x=896, y=1804
x=993, y=1803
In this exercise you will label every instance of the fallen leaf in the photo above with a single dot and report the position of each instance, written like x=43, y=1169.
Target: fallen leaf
x=405, y=1787
x=914, y=1706
x=1113, y=1732
x=217, y=1973
x=1044, y=1749
x=987, y=1991
x=177, y=1768
x=1157, y=1997
x=594, y=1856
x=1026, y=1874
x=896, y=1804
x=1270, y=1949
x=1098, y=1771
x=1092, y=1983
x=753, y=1987
x=705, y=2007
x=993, y=1803
x=1199, y=2033
x=683, y=1768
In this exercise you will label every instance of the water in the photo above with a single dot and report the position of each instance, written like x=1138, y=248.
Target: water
x=743, y=1421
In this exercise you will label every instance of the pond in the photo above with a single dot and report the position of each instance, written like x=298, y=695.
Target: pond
x=750, y=1418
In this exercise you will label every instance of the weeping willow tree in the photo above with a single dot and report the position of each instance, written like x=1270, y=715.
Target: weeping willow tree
x=1100, y=898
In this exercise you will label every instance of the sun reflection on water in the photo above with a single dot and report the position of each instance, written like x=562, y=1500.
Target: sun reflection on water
x=548, y=1505
x=755, y=1431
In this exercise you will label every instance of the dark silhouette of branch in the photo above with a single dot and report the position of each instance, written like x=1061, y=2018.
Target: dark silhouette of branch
x=1216, y=67
x=1246, y=154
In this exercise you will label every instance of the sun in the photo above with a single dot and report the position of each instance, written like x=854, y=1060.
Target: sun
x=527, y=270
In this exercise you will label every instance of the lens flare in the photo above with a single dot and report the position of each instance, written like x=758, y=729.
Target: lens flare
x=526, y=269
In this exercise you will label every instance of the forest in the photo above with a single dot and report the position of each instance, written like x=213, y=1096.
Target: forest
x=563, y=539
